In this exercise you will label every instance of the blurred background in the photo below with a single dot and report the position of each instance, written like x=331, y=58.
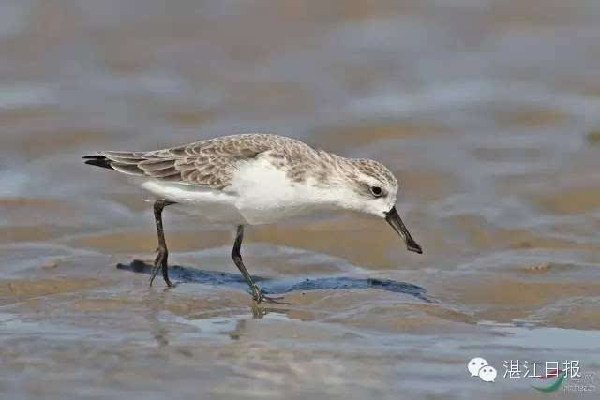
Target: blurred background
x=488, y=111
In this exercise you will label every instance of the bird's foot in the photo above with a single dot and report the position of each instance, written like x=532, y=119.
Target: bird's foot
x=259, y=296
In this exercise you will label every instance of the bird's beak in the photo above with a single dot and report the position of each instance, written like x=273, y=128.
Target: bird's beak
x=394, y=220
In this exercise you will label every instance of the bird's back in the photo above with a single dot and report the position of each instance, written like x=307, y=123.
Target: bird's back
x=204, y=163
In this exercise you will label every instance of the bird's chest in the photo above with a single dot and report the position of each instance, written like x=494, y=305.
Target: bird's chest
x=265, y=194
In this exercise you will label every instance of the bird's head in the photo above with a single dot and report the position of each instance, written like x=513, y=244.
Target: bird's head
x=370, y=188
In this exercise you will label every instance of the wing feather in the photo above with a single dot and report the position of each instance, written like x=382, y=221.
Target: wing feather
x=205, y=163
x=129, y=169
x=210, y=162
x=155, y=165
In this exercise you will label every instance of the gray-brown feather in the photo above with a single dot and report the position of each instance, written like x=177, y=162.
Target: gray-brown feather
x=213, y=162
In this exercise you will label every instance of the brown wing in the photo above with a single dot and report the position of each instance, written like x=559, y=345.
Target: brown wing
x=206, y=163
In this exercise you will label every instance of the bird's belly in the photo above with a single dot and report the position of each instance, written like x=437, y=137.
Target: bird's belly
x=260, y=206
x=209, y=205
x=258, y=214
x=265, y=194
x=211, y=213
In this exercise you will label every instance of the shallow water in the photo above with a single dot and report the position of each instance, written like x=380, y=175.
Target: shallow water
x=487, y=110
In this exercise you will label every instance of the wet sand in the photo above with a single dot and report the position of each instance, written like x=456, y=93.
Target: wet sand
x=488, y=112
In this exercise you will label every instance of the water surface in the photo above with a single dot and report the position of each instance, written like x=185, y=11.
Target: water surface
x=488, y=111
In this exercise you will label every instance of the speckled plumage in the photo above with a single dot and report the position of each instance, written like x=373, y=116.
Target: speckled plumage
x=213, y=162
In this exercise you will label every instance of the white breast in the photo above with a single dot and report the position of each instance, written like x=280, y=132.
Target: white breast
x=259, y=193
x=265, y=194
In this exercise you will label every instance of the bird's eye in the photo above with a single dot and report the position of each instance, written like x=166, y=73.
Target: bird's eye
x=376, y=191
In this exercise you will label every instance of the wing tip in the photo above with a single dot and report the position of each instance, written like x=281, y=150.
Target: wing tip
x=98, y=161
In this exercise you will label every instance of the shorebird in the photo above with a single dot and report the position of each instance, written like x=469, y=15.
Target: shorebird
x=253, y=179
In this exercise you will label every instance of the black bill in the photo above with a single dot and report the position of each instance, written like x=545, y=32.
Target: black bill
x=394, y=220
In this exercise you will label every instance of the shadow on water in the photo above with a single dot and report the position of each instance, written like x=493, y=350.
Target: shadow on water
x=280, y=285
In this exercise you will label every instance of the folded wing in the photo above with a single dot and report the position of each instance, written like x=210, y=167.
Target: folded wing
x=207, y=163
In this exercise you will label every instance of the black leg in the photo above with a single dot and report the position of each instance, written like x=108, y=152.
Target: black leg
x=257, y=294
x=162, y=252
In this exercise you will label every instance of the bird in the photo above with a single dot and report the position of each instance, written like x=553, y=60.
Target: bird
x=254, y=179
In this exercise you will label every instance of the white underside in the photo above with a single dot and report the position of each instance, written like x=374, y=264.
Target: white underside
x=259, y=194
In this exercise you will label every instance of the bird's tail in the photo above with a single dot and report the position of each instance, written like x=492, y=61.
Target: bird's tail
x=98, y=161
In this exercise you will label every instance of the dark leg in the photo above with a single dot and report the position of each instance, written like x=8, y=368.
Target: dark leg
x=162, y=252
x=257, y=294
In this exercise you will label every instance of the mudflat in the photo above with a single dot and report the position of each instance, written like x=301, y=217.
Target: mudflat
x=487, y=111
